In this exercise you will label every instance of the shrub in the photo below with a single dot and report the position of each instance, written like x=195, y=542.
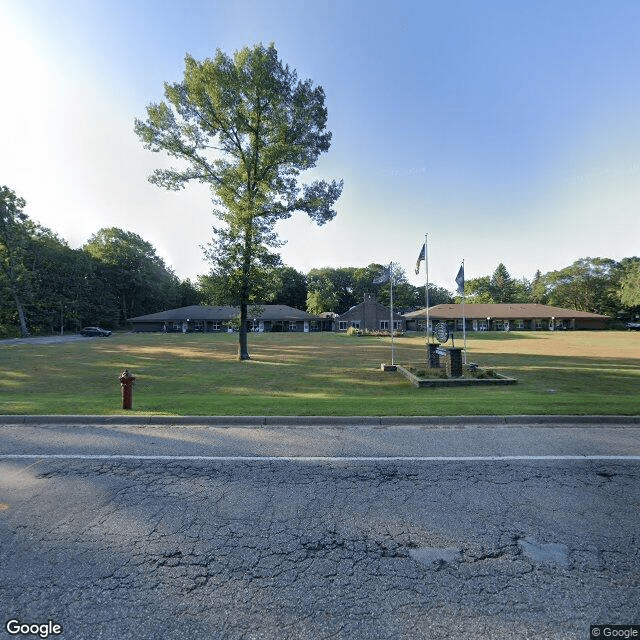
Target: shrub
x=429, y=372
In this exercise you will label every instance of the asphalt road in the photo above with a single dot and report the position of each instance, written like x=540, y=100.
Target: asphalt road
x=306, y=533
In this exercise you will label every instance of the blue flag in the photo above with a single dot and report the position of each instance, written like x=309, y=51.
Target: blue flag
x=421, y=257
x=384, y=276
x=460, y=279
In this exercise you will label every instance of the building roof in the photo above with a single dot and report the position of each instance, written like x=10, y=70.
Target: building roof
x=225, y=313
x=369, y=301
x=509, y=310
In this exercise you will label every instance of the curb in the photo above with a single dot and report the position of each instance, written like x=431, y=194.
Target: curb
x=314, y=421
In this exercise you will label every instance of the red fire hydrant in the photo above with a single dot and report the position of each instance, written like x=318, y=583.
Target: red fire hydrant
x=126, y=381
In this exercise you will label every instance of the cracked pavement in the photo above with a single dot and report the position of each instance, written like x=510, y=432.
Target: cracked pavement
x=310, y=549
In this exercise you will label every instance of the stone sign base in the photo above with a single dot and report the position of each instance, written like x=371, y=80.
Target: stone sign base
x=453, y=362
x=433, y=355
x=452, y=359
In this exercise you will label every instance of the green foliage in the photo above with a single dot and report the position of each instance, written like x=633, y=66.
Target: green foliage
x=227, y=279
x=441, y=373
x=116, y=275
x=233, y=324
x=538, y=291
x=429, y=372
x=437, y=295
x=14, y=233
x=501, y=285
x=589, y=284
x=247, y=127
x=291, y=288
x=189, y=294
x=339, y=289
x=630, y=285
x=322, y=295
x=478, y=290
x=66, y=290
x=133, y=273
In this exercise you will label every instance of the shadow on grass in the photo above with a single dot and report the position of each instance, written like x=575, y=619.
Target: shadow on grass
x=312, y=374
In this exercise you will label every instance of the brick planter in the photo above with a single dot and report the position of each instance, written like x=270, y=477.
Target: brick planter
x=454, y=382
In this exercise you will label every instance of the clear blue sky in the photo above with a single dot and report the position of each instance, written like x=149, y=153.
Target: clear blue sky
x=507, y=131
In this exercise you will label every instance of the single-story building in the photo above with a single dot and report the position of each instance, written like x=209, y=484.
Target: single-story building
x=371, y=316
x=328, y=320
x=261, y=318
x=506, y=317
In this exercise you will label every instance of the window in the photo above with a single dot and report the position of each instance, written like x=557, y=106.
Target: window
x=519, y=324
x=355, y=324
x=538, y=323
x=384, y=325
x=216, y=325
x=482, y=325
x=293, y=325
x=253, y=325
x=499, y=325
x=397, y=325
x=342, y=325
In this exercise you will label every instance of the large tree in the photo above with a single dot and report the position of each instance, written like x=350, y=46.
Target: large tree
x=225, y=282
x=630, y=282
x=246, y=126
x=538, y=289
x=65, y=292
x=478, y=290
x=589, y=284
x=321, y=291
x=501, y=285
x=292, y=288
x=13, y=240
x=133, y=271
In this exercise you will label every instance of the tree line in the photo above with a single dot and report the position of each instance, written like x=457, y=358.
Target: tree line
x=47, y=287
x=597, y=285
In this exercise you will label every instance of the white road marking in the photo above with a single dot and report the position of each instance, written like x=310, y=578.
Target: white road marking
x=151, y=458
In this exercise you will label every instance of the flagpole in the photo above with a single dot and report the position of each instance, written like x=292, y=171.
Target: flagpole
x=464, y=322
x=391, y=325
x=391, y=312
x=426, y=286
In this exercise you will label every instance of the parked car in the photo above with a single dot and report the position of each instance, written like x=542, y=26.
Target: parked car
x=95, y=331
x=632, y=325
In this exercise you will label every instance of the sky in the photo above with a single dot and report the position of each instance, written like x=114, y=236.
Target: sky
x=509, y=132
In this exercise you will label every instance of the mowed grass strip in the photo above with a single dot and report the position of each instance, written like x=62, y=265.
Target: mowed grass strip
x=579, y=373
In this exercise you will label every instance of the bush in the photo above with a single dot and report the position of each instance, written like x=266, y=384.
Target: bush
x=373, y=333
x=429, y=373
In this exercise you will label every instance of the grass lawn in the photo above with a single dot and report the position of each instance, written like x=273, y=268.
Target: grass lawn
x=581, y=373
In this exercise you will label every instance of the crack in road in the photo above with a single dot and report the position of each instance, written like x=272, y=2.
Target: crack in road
x=351, y=551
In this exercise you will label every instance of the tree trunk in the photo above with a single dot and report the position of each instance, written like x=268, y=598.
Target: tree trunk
x=24, y=331
x=243, y=349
